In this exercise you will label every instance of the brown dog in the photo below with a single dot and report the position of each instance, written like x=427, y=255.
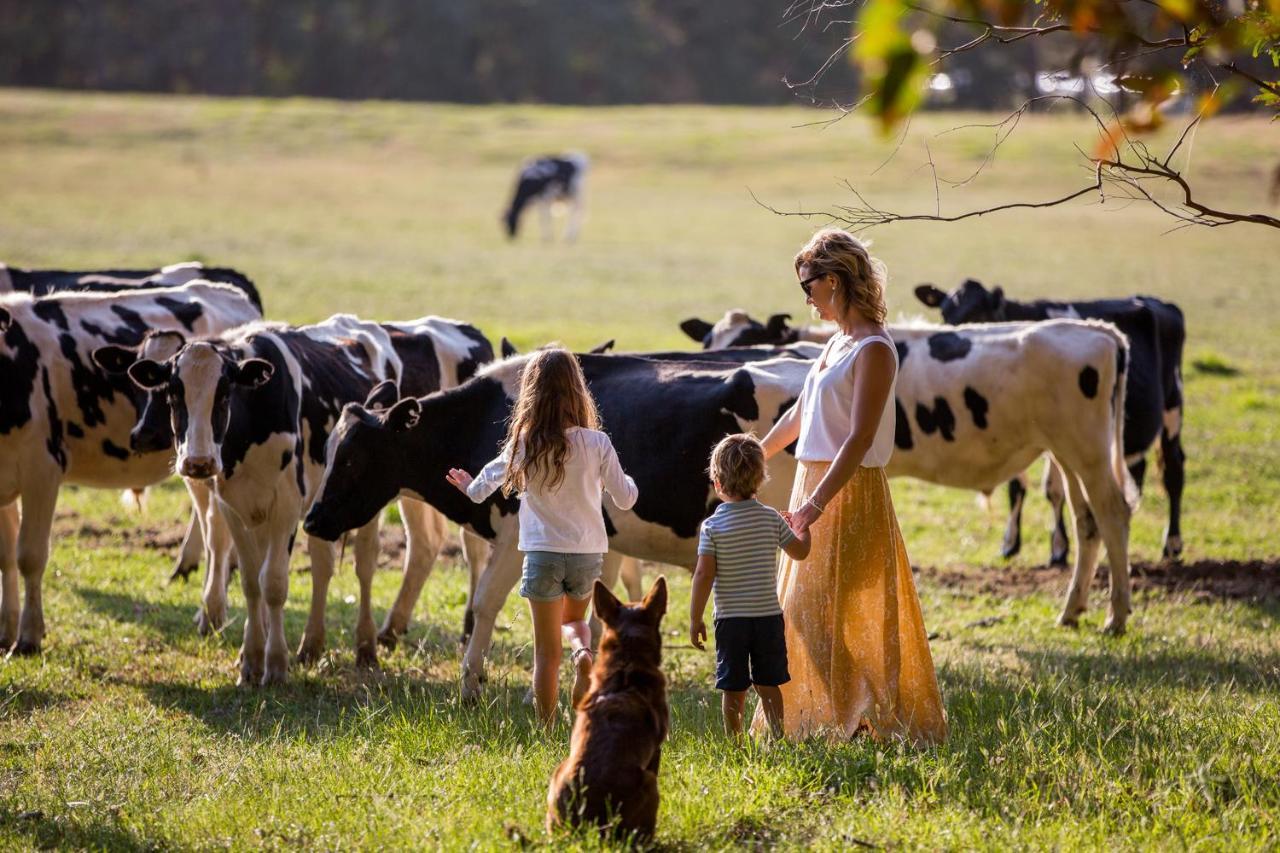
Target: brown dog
x=610, y=778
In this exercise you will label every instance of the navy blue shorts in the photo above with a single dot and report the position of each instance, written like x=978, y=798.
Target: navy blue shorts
x=751, y=650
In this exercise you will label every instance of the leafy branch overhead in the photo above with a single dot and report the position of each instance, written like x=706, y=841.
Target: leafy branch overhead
x=1148, y=54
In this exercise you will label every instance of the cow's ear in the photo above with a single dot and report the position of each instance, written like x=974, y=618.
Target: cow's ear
x=605, y=603
x=508, y=349
x=696, y=329
x=404, y=415
x=114, y=358
x=930, y=295
x=382, y=396
x=603, y=348
x=655, y=603
x=253, y=372
x=149, y=374
x=5, y=319
x=776, y=327
x=997, y=296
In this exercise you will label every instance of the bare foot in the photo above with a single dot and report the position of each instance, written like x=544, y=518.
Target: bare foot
x=583, y=660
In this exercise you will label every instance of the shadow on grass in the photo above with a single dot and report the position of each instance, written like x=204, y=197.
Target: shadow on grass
x=99, y=831
x=1190, y=669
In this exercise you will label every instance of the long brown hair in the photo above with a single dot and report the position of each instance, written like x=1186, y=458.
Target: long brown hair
x=553, y=398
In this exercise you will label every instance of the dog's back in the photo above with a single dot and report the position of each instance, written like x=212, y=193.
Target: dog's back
x=610, y=778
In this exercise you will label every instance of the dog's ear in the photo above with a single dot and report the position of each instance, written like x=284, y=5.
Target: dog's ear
x=606, y=604
x=508, y=348
x=655, y=603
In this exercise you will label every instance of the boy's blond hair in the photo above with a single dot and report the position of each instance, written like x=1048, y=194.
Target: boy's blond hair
x=737, y=464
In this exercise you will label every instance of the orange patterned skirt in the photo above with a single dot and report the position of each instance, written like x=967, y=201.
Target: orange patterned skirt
x=856, y=644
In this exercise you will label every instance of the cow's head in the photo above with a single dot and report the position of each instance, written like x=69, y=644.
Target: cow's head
x=737, y=329
x=511, y=219
x=364, y=454
x=197, y=382
x=968, y=303
x=152, y=433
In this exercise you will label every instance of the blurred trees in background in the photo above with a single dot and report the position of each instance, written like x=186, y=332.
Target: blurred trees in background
x=478, y=51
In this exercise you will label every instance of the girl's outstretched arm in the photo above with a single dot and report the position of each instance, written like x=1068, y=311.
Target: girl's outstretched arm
x=620, y=487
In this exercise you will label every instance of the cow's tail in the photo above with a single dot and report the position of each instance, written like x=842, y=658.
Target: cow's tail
x=1120, y=468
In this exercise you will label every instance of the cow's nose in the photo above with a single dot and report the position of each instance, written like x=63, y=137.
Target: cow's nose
x=198, y=467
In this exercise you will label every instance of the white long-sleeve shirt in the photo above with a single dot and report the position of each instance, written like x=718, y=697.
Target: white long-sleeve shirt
x=569, y=519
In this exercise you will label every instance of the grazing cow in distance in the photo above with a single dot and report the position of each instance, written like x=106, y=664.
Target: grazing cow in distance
x=43, y=282
x=1153, y=405
x=253, y=410
x=63, y=419
x=990, y=371
x=543, y=182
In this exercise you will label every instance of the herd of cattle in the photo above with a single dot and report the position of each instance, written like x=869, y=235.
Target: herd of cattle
x=118, y=379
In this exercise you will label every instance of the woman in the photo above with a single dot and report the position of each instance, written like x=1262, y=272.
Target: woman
x=859, y=655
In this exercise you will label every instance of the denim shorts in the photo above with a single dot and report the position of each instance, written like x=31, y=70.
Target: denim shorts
x=548, y=575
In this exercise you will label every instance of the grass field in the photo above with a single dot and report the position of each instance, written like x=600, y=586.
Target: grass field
x=128, y=733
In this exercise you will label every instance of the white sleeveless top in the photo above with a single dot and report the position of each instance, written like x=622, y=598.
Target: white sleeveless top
x=826, y=406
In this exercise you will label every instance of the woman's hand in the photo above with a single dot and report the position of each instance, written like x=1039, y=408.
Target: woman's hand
x=802, y=518
x=459, y=478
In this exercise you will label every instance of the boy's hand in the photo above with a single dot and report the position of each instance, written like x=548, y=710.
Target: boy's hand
x=698, y=634
x=459, y=478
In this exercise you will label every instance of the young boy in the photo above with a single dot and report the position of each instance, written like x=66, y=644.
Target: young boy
x=738, y=558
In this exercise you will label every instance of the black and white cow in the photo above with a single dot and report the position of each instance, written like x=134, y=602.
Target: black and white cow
x=543, y=182
x=738, y=329
x=63, y=419
x=663, y=417
x=252, y=410
x=945, y=369
x=1153, y=405
x=43, y=282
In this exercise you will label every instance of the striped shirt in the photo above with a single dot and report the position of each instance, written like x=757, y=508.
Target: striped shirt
x=744, y=537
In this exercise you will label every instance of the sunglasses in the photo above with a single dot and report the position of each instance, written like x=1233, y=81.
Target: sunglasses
x=807, y=284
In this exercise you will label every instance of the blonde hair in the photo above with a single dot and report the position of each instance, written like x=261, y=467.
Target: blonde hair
x=553, y=398
x=861, y=278
x=737, y=464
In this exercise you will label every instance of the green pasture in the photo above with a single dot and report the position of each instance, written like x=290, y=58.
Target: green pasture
x=128, y=731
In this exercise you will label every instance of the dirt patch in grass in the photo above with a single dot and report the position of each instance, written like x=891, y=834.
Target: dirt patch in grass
x=1240, y=580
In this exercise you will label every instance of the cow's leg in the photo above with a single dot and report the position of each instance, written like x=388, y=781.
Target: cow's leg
x=498, y=579
x=476, y=551
x=1077, y=600
x=193, y=545
x=9, y=607
x=366, y=557
x=574, y=219
x=249, y=556
x=322, y=555
x=38, y=504
x=1111, y=514
x=610, y=570
x=275, y=591
x=1013, y=529
x=1059, y=543
x=544, y=213
x=213, y=611
x=629, y=574
x=424, y=532
x=1173, y=467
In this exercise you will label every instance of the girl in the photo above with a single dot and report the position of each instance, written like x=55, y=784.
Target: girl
x=558, y=461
